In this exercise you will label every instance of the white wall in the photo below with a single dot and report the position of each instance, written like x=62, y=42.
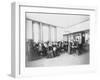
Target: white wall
x=79, y=27
x=60, y=32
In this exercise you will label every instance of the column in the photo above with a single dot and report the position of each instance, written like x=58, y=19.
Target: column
x=40, y=32
x=55, y=33
x=69, y=49
x=32, y=30
x=49, y=34
x=41, y=24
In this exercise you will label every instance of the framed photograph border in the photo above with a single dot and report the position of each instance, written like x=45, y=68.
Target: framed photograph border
x=18, y=68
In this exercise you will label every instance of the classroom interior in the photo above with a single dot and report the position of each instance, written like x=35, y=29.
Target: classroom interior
x=54, y=39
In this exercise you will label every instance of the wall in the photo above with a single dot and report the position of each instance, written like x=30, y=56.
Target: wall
x=60, y=32
x=79, y=27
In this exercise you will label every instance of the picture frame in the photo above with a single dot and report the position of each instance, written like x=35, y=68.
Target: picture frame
x=18, y=68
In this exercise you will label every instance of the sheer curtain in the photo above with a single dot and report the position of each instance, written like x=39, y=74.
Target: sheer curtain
x=29, y=30
x=36, y=32
x=52, y=34
x=45, y=33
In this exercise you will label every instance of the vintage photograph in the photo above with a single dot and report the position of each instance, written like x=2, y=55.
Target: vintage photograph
x=56, y=39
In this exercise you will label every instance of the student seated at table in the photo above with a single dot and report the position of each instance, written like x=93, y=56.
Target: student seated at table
x=54, y=50
x=76, y=50
x=65, y=46
x=58, y=50
x=40, y=50
x=44, y=47
x=50, y=52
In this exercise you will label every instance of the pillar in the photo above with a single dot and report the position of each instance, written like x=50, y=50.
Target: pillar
x=40, y=32
x=49, y=34
x=55, y=33
x=32, y=30
x=69, y=49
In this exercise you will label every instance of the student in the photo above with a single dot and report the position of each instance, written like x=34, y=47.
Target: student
x=76, y=44
x=65, y=46
x=40, y=49
x=57, y=49
x=54, y=50
x=50, y=51
x=44, y=49
x=71, y=46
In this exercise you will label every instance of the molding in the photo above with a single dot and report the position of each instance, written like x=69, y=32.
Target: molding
x=78, y=23
x=57, y=7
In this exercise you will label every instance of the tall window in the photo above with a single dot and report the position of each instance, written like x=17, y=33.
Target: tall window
x=45, y=33
x=29, y=30
x=52, y=34
x=36, y=32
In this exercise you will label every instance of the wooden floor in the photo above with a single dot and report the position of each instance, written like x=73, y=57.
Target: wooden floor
x=63, y=60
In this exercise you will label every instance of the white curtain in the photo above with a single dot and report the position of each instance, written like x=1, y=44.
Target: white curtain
x=52, y=34
x=45, y=33
x=36, y=32
x=29, y=30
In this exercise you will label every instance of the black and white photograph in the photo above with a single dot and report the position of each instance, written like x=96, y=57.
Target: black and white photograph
x=53, y=40
x=56, y=39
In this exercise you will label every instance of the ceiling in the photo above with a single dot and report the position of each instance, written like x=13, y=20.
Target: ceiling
x=58, y=19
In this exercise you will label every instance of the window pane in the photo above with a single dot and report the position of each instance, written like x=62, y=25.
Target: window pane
x=52, y=34
x=45, y=33
x=29, y=30
x=36, y=32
